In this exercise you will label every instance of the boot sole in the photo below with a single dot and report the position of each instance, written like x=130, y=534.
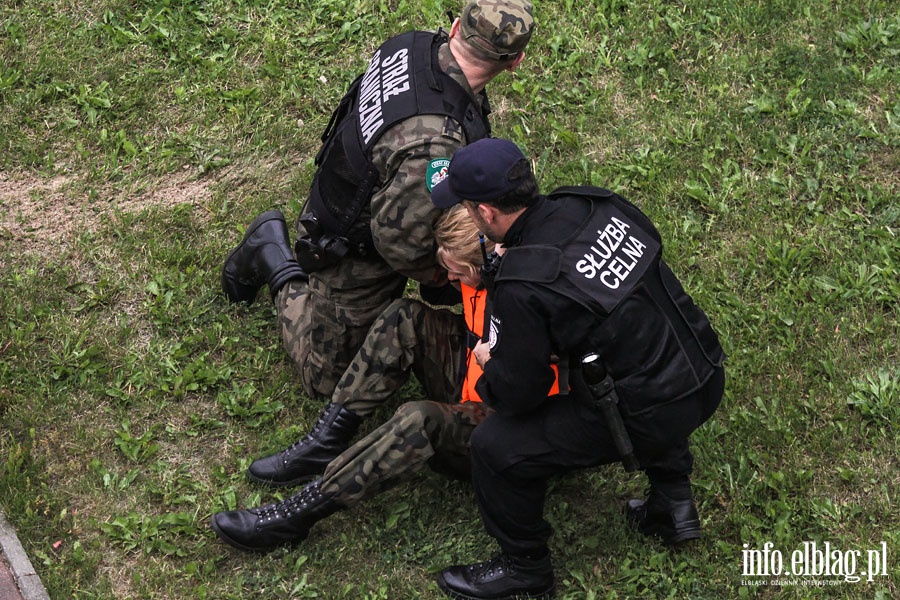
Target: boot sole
x=229, y=284
x=682, y=537
x=547, y=594
x=676, y=539
x=634, y=514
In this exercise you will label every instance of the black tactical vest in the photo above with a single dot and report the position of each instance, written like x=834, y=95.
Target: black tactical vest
x=403, y=80
x=600, y=263
x=613, y=261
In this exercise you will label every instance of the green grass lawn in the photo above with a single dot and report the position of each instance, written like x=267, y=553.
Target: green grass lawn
x=139, y=137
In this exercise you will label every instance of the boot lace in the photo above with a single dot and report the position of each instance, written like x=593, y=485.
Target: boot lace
x=278, y=510
x=290, y=506
x=497, y=565
x=306, y=439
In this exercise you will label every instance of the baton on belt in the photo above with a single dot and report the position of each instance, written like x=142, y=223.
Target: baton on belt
x=603, y=390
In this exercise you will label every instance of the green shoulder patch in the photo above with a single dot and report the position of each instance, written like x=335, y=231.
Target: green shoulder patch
x=437, y=171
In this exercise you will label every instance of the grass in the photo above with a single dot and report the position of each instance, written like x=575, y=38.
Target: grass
x=138, y=138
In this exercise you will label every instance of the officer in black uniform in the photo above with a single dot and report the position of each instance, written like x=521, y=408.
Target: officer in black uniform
x=582, y=275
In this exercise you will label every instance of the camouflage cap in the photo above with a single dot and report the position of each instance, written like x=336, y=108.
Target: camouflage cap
x=497, y=29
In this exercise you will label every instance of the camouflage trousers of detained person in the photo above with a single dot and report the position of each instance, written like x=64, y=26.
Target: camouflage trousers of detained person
x=420, y=433
x=407, y=337
x=354, y=358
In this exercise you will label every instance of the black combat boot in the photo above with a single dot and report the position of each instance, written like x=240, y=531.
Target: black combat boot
x=308, y=457
x=504, y=577
x=673, y=521
x=263, y=257
x=267, y=527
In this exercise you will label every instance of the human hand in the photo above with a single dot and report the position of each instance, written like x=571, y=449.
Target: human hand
x=482, y=352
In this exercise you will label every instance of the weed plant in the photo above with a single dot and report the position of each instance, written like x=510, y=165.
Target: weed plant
x=139, y=137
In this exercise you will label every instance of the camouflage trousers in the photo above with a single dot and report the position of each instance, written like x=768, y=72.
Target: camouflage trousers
x=419, y=433
x=325, y=322
x=406, y=337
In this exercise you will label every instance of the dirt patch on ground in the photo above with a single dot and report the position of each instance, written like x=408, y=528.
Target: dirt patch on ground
x=37, y=213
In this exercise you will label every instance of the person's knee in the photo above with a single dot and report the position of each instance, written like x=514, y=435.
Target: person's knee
x=413, y=414
x=401, y=309
x=397, y=320
x=418, y=411
x=485, y=446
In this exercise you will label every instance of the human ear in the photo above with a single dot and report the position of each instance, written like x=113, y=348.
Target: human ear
x=516, y=62
x=486, y=212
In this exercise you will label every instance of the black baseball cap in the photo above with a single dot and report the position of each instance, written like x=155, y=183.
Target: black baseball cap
x=479, y=172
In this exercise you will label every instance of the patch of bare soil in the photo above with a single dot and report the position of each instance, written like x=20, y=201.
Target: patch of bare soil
x=37, y=214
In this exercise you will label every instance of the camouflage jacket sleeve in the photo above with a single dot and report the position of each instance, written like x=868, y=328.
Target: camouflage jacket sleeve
x=403, y=217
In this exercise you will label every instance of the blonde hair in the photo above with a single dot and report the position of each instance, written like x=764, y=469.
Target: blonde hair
x=457, y=240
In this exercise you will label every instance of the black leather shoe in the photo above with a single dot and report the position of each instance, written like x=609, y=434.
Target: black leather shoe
x=673, y=521
x=263, y=257
x=504, y=577
x=307, y=458
x=267, y=527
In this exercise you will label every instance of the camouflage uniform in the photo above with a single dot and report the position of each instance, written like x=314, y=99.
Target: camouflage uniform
x=325, y=322
x=419, y=433
x=330, y=324
x=407, y=337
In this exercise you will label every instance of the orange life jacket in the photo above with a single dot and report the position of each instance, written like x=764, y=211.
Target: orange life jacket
x=474, y=301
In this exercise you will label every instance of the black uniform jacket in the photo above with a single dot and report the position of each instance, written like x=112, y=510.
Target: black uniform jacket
x=656, y=343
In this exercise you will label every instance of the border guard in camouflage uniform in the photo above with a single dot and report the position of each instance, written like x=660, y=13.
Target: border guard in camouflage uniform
x=409, y=335
x=367, y=225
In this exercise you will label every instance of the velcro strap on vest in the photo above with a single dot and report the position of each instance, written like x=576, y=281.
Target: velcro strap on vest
x=588, y=191
x=536, y=264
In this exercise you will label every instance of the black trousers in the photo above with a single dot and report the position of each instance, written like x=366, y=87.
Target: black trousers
x=514, y=457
